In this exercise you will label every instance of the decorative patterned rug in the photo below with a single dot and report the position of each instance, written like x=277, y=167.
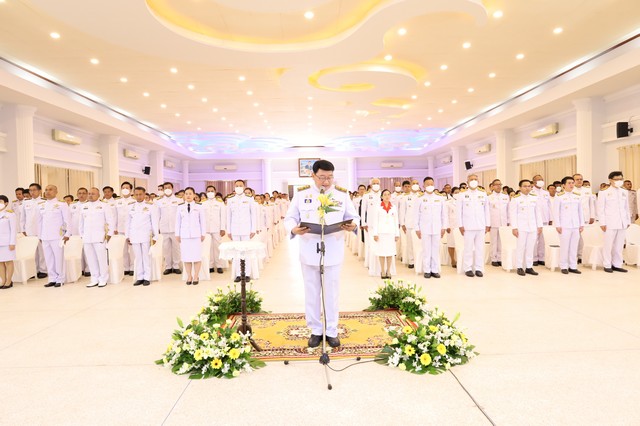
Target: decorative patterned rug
x=284, y=336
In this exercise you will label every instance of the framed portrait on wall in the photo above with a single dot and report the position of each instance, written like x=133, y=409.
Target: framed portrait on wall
x=305, y=166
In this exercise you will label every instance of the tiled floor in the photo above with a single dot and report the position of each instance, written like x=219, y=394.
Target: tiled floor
x=554, y=350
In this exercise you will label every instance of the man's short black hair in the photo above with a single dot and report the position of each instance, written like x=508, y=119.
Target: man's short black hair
x=362, y=186
x=567, y=179
x=211, y=186
x=19, y=189
x=107, y=187
x=523, y=181
x=37, y=185
x=167, y=183
x=126, y=183
x=239, y=180
x=325, y=165
x=406, y=182
x=141, y=188
x=4, y=198
x=427, y=178
x=615, y=174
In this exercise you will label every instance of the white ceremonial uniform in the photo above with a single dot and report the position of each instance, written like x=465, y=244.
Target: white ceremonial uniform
x=370, y=200
x=473, y=215
x=452, y=212
x=74, y=211
x=242, y=218
x=168, y=206
x=633, y=205
x=568, y=216
x=97, y=221
x=16, y=207
x=432, y=217
x=384, y=225
x=304, y=208
x=499, y=212
x=407, y=219
x=216, y=217
x=358, y=245
x=588, y=200
x=395, y=200
x=613, y=212
x=142, y=227
x=191, y=226
x=29, y=225
x=53, y=223
x=524, y=215
x=544, y=208
x=122, y=205
x=8, y=235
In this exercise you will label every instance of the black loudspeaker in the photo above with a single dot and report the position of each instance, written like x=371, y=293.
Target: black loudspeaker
x=623, y=129
x=146, y=170
x=468, y=165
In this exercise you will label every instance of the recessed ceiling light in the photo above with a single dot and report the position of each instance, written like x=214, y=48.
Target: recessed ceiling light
x=492, y=75
x=419, y=125
x=191, y=87
x=215, y=110
x=444, y=67
x=406, y=106
x=353, y=119
x=261, y=113
x=414, y=97
x=174, y=70
x=242, y=78
x=177, y=114
x=309, y=98
x=255, y=104
x=249, y=93
x=309, y=108
x=123, y=79
x=55, y=35
x=188, y=122
x=471, y=90
x=402, y=31
x=163, y=106
x=455, y=101
x=224, y=119
x=230, y=124
x=388, y=57
x=440, y=111
x=498, y=14
x=199, y=128
x=309, y=124
x=309, y=117
x=265, y=121
x=520, y=56
x=429, y=118
x=351, y=126
x=382, y=129
x=145, y=94
x=94, y=61
x=205, y=100
x=309, y=14
x=427, y=83
x=388, y=123
x=466, y=45
x=557, y=30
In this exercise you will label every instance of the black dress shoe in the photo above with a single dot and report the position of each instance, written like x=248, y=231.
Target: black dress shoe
x=435, y=275
x=166, y=272
x=220, y=271
x=536, y=263
x=334, y=342
x=427, y=275
x=615, y=268
x=189, y=282
x=314, y=341
x=564, y=271
x=86, y=274
x=41, y=275
x=58, y=285
x=237, y=280
x=479, y=274
x=146, y=283
x=609, y=270
x=579, y=261
x=212, y=270
x=530, y=271
x=574, y=271
x=541, y=263
x=196, y=282
x=500, y=263
x=411, y=266
x=4, y=287
x=469, y=273
x=139, y=282
x=130, y=273
x=177, y=271
x=520, y=272
x=49, y=284
x=495, y=263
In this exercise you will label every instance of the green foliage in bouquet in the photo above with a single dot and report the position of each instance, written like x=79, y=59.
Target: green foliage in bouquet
x=220, y=304
x=402, y=296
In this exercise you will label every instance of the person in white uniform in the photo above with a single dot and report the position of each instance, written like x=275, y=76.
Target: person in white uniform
x=613, y=215
x=8, y=236
x=122, y=205
x=108, y=197
x=544, y=208
x=142, y=232
x=242, y=215
x=16, y=205
x=569, y=222
x=168, y=206
x=304, y=208
x=216, y=216
x=526, y=221
x=588, y=199
x=474, y=222
x=452, y=212
x=30, y=227
x=191, y=228
x=633, y=201
x=499, y=212
x=432, y=220
x=53, y=225
x=385, y=231
x=407, y=223
x=370, y=201
x=97, y=225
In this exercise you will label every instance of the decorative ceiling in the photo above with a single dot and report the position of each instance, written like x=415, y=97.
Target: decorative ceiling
x=231, y=77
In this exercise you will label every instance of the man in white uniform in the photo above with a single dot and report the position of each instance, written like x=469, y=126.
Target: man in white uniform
x=142, y=232
x=613, y=215
x=588, y=200
x=97, y=226
x=544, y=209
x=526, y=221
x=431, y=222
x=498, y=208
x=242, y=215
x=16, y=206
x=406, y=216
x=108, y=196
x=30, y=226
x=569, y=222
x=74, y=211
x=633, y=200
x=474, y=221
x=370, y=200
x=122, y=211
x=53, y=225
x=216, y=216
x=304, y=208
x=168, y=206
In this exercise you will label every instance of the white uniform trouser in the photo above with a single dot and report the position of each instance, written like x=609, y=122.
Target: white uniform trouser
x=41, y=260
x=473, y=255
x=236, y=262
x=171, y=251
x=612, y=250
x=142, y=259
x=361, y=243
x=431, y=253
x=417, y=251
x=313, y=301
x=496, y=246
x=525, y=249
x=538, y=251
x=97, y=260
x=215, y=261
x=569, y=248
x=128, y=257
x=54, y=257
x=368, y=252
x=408, y=250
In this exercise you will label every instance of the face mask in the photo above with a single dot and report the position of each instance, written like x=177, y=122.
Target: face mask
x=168, y=192
x=375, y=187
x=239, y=190
x=558, y=188
x=211, y=195
x=618, y=183
x=540, y=183
x=429, y=188
x=473, y=184
x=398, y=188
x=125, y=192
x=415, y=188
x=2, y=205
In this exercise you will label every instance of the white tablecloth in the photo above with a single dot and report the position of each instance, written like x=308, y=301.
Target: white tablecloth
x=243, y=250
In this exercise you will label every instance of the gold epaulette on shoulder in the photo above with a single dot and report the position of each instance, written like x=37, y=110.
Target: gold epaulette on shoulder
x=231, y=195
x=576, y=193
x=14, y=201
x=9, y=211
x=341, y=189
x=531, y=193
x=442, y=194
x=103, y=200
x=463, y=190
x=302, y=188
x=420, y=193
x=148, y=202
x=517, y=195
x=560, y=193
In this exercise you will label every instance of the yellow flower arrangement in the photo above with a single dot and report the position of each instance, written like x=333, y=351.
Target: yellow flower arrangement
x=197, y=355
x=409, y=350
x=425, y=359
x=442, y=349
x=204, y=336
x=407, y=329
x=216, y=364
x=234, y=353
x=235, y=337
x=327, y=204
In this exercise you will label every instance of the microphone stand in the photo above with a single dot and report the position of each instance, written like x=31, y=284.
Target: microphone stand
x=324, y=357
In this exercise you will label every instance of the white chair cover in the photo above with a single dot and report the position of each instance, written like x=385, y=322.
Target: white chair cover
x=631, y=252
x=73, y=259
x=25, y=263
x=508, y=246
x=593, y=238
x=551, y=247
x=116, y=258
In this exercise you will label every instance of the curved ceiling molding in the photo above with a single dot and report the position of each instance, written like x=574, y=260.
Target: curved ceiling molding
x=388, y=141
x=403, y=69
x=272, y=6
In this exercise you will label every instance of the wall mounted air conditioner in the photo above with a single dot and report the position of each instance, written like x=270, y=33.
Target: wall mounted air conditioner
x=131, y=154
x=169, y=165
x=445, y=160
x=550, y=129
x=64, y=137
x=225, y=167
x=391, y=164
x=483, y=149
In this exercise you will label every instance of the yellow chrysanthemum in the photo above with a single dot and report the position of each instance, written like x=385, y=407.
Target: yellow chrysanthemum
x=216, y=364
x=186, y=331
x=197, y=355
x=235, y=337
x=204, y=336
x=433, y=328
x=234, y=353
x=441, y=349
x=425, y=359
x=409, y=350
x=407, y=329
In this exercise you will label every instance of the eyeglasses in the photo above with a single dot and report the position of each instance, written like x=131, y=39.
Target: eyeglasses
x=324, y=178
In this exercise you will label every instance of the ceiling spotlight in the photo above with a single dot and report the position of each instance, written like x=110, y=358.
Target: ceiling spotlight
x=215, y=110
x=145, y=94
x=427, y=83
x=406, y=106
x=466, y=45
x=177, y=114
x=440, y=111
x=242, y=78
x=429, y=118
x=388, y=123
x=414, y=97
x=402, y=31
x=55, y=35
x=163, y=106
x=382, y=129
x=557, y=30
x=188, y=122
x=230, y=124
x=455, y=101
x=309, y=117
x=199, y=128
x=255, y=104
x=492, y=75
x=471, y=90
x=444, y=67
x=388, y=57
x=249, y=93
x=309, y=14
x=309, y=98
x=419, y=125
x=205, y=100
x=261, y=113
x=309, y=108
x=498, y=14
x=224, y=119
x=123, y=79
x=174, y=70
x=191, y=87
x=94, y=61
x=520, y=56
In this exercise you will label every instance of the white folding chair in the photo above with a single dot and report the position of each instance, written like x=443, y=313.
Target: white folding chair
x=116, y=258
x=508, y=246
x=73, y=259
x=25, y=263
x=551, y=247
x=444, y=251
x=156, y=259
x=631, y=252
x=487, y=248
x=593, y=238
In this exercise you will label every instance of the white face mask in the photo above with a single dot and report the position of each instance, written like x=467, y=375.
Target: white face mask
x=415, y=188
x=473, y=184
x=211, y=195
x=2, y=205
x=398, y=188
x=125, y=192
x=239, y=190
x=375, y=187
x=429, y=188
x=618, y=183
x=540, y=183
x=558, y=188
x=168, y=192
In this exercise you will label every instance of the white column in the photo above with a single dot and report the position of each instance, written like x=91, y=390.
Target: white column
x=430, y=168
x=18, y=163
x=156, y=162
x=590, y=151
x=458, y=158
x=266, y=176
x=109, y=148
x=505, y=168
x=351, y=174
x=185, y=173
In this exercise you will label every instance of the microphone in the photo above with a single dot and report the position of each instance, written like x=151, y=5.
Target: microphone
x=322, y=190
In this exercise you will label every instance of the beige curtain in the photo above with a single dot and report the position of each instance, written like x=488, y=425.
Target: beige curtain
x=49, y=175
x=78, y=179
x=485, y=177
x=441, y=182
x=630, y=163
x=389, y=183
x=551, y=170
x=529, y=170
x=225, y=187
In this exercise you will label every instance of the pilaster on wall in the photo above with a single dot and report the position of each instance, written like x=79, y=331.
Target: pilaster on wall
x=590, y=151
x=185, y=173
x=505, y=167
x=110, y=150
x=156, y=162
x=266, y=175
x=18, y=165
x=458, y=157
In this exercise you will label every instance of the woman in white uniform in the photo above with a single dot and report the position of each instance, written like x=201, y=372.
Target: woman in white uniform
x=191, y=227
x=385, y=230
x=8, y=235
